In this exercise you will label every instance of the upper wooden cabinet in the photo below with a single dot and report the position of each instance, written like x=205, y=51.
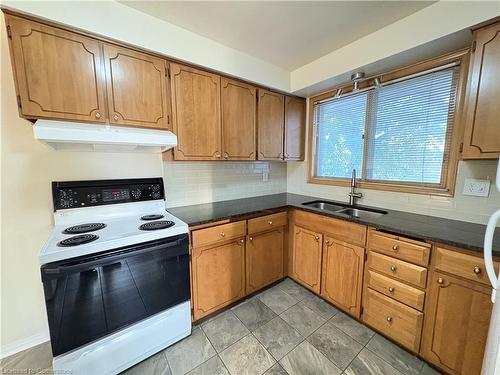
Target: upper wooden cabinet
x=342, y=274
x=196, y=113
x=482, y=112
x=59, y=74
x=136, y=87
x=239, y=120
x=295, y=128
x=271, y=117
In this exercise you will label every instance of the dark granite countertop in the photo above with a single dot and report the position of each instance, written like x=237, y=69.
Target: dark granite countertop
x=452, y=232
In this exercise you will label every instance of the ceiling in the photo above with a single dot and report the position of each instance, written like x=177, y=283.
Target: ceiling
x=288, y=34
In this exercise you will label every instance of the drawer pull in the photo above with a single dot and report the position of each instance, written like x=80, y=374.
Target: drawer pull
x=440, y=281
x=222, y=234
x=395, y=247
x=394, y=268
x=250, y=238
x=115, y=117
x=477, y=270
x=391, y=289
x=97, y=115
x=316, y=238
x=389, y=319
x=270, y=222
x=242, y=241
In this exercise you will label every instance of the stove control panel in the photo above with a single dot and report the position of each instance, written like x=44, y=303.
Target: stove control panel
x=77, y=194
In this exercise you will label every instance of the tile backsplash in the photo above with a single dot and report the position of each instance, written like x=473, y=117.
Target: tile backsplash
x=189, y=183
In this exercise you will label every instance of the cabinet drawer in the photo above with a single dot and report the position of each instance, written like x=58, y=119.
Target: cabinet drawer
x=406, y=294
x=218, y=233
x=339, y=229
x=398, y=269
x=263, y=223
x=399, y=247
x=400, y=322
x=463, y=265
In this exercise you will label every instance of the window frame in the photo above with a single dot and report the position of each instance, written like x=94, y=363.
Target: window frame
x=459, y=58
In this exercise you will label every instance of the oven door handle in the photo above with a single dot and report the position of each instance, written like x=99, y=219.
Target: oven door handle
x=47, y=272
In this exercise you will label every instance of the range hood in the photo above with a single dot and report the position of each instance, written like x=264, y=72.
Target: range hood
x=74, y=136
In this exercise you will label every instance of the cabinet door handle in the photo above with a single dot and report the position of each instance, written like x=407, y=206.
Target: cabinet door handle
x=250, y=238
x=222, y=234
x=115, y=117
x=270, y=222
x=97, y=115
x=393, y=268
x=327, y=242
x=217, y=155
x=316, y=238
x=391, y=289
x=477, y=270
x=226, y=155
x=440, y=281
x=389, y=319
x=395, y=247
x=242, y=241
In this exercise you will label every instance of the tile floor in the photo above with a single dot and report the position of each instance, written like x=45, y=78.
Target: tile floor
x=283, y=330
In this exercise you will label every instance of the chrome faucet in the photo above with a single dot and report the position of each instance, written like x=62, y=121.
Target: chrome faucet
x=352, y=194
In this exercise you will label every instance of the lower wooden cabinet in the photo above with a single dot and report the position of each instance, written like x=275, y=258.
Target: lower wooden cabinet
x=218, y=276
x=394, y=319
x=264, y=259
x=342, y=275
x=456, y=325
x=306, y=258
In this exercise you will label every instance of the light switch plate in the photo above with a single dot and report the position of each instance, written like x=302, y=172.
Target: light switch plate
x=477, y=188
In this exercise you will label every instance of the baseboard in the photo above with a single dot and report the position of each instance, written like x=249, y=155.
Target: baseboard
x=23, y=344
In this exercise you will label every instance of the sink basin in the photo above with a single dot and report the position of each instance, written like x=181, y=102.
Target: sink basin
x=327, y=206
x=362, y=213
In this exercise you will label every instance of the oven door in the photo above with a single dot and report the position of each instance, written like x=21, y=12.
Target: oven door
x=92, y=296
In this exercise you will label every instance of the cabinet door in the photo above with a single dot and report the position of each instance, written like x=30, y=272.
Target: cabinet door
x=196, y=113
x=306, y=258
x=239, y=119
x=456, y=324
x=59, y=74
x=136, y=87
x=264, y=255
x=218, y=275
x=271, y=118
x=342, y=275
x=482, y=112
x=295, y=128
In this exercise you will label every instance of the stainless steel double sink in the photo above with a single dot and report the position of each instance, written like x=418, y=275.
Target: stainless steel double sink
x=339, y=208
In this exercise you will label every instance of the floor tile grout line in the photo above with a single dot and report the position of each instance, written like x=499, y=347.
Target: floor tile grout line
x=288, y=352
x=386, y=361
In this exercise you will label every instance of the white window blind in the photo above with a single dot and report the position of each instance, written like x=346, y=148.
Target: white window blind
x=398, y=133
x=340, y=135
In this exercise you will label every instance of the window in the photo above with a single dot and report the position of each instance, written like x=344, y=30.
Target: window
x=397, y=135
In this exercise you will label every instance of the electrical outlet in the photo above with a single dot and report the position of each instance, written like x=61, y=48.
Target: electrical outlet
x=477, y=188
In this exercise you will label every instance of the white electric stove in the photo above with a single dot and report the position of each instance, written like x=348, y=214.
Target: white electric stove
x=115, y=271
